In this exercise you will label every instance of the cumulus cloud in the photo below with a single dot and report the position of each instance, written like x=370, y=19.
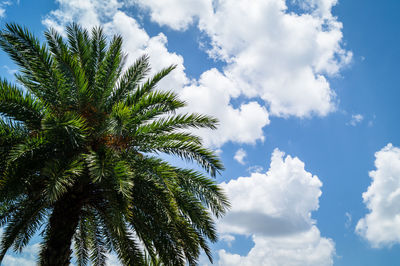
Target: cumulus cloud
x=275, y=209
x=240, y=155
x=272, y=53
x=177, y=14
x=381, y=226
x=212, y=94
x=305, y=248
x=88, y=13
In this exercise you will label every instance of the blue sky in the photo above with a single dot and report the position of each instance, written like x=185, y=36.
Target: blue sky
x=306, y=92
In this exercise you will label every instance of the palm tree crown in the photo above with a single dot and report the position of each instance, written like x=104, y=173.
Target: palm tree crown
x=79, y=138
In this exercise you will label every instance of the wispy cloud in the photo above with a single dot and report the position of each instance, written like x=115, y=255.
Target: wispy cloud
x=347, y=224
x=3, y=6
x=10, y=70
x=356, y=119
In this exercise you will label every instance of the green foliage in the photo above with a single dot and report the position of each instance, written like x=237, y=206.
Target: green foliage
x=78, y=156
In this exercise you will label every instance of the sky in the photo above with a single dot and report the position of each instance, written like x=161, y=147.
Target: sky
x=306, y=92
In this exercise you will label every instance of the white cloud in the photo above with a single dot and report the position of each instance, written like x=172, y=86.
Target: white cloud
x=275, y=209
x=177, y=14
x=381, y=226
x=240, y=155
x=88, y=13
x=26, y=258
x=228, y=239
x=17, y=261
x=356, y=119
x=304, y=248
x=271, y=53
x=211, y=95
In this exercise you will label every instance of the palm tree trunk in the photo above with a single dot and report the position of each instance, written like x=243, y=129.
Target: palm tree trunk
x=62, y=226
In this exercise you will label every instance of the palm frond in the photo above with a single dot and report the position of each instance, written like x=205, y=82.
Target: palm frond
x=76, y=90
x=189, y=151
x=60, y=176
x=11, y=133
x=99, y=166
x=130, y=79
x=174, y=122
x=22, y=225
x=69, y=128
x=204, y=189
x=154, y=104
x=123, y=178
x=79, y=43
x=27, y=149
x=149, y=85
x=19, y=106
x=109, y=70
x=98, y=50
x=122, y=240
x=81, y=242
x=97, y=245
x=151, y=216
x=35, y=61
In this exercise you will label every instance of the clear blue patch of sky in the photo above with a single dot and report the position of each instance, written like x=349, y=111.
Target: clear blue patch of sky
x=241, y=245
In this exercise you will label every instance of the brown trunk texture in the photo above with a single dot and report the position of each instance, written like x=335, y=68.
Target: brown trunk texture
x=63, y=223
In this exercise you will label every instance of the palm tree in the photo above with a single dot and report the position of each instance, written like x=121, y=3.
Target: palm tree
x=79, y=142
